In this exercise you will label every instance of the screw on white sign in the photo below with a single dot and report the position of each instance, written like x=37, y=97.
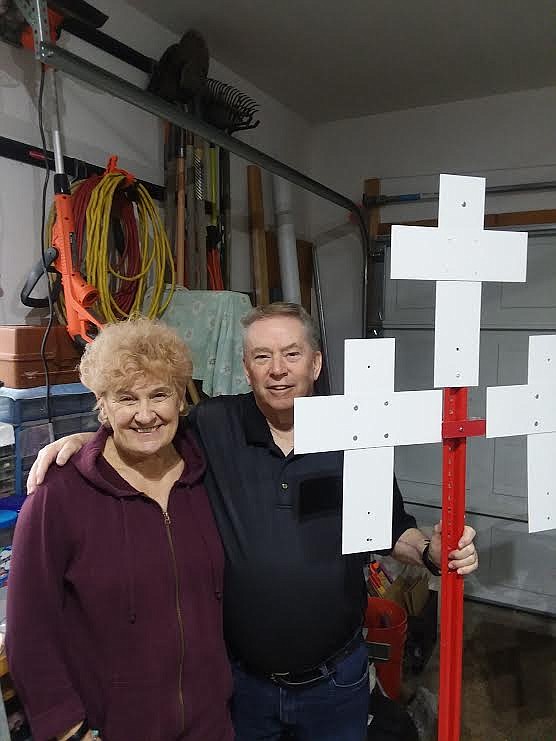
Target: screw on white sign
x=459, y=255
x=531, y=410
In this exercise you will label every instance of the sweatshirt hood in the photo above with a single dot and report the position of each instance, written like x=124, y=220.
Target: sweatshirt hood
x=90, y=463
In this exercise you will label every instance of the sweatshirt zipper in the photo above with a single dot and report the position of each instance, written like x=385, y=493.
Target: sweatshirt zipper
x=167, y=523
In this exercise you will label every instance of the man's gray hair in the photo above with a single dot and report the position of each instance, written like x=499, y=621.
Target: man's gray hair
x=282, y=308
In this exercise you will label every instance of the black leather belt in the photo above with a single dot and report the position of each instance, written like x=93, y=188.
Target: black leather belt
x=317, y=673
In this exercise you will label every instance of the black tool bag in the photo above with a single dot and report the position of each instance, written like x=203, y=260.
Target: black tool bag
x=391, y=721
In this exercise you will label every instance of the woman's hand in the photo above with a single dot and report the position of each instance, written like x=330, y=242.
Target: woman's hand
x=60, y=451
x=68, y=734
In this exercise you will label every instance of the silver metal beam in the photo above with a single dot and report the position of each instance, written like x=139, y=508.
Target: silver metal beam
x=106, y=81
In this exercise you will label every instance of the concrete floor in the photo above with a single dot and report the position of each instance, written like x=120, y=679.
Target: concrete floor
x=509, y=675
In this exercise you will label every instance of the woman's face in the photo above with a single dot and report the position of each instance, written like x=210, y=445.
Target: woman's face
x=143, y=417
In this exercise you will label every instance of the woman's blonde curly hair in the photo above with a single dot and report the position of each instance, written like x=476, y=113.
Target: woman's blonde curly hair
x=125, y=352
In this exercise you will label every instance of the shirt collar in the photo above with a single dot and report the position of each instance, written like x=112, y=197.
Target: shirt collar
x=257, y=431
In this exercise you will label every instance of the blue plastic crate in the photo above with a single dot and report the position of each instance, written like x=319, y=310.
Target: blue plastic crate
x=26, y=405
x=14, y=502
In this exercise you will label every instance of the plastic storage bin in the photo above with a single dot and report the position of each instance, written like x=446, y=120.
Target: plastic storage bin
x=387, y=624
x=7, y=523
x=25, y=405
x=7, y=460
x=21, y=363
x=7, y=472
x=32, y=437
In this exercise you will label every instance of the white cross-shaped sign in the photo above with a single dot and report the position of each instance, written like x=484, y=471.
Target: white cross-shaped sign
x=531, y=410
x=371, y=419
x=367, y=422
x=459, y=255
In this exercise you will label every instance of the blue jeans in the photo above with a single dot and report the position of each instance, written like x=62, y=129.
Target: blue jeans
x=334, y=709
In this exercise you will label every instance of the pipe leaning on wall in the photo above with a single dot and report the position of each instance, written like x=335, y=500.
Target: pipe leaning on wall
x=287, y=246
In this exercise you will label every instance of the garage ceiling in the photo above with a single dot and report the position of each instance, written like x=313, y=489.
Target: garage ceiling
x=334, y=59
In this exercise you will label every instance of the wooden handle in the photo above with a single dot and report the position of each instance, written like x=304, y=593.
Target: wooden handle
x=257, y=235
x=180, y=223
x=192, y=391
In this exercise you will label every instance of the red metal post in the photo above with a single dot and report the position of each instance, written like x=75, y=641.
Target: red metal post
x=451, y=609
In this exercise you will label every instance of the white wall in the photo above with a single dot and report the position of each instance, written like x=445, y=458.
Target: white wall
x=95, y=125
x=507, y=138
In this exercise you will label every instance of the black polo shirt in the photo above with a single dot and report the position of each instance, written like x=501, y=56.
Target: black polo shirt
x=291, y=599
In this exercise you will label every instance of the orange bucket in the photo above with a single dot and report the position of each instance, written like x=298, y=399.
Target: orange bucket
x=386, y=622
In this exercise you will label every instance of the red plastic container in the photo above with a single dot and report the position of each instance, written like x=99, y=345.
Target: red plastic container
x=386, y=622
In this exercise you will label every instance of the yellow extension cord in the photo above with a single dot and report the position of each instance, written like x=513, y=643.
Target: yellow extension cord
x=155, y=251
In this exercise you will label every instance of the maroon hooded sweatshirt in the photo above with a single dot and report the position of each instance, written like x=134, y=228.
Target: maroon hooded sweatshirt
x=115, y=609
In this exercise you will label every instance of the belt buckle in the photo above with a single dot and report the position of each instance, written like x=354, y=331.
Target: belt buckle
x=284, y=680
x=278, y=677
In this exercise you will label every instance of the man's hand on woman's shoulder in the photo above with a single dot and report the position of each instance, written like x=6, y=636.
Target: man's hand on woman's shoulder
x=60, y=451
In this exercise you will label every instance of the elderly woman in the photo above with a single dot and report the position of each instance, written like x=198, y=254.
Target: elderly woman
x=114, y=610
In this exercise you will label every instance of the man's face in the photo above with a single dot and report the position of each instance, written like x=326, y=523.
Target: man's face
x=279, y=362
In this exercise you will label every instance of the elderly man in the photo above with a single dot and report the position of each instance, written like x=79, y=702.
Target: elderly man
x=293, y=604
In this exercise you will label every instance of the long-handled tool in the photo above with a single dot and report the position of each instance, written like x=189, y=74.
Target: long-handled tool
x=227, y=108
x=225, y=215
x=180, y=248
x=200, y=216
x=191, y=255
x=257, y=235
x=214, y=233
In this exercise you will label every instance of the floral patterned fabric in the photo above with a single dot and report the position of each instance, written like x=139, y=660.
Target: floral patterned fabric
x=209, y=322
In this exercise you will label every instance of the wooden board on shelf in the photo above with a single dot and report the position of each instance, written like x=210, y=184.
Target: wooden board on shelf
x=492, y=221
